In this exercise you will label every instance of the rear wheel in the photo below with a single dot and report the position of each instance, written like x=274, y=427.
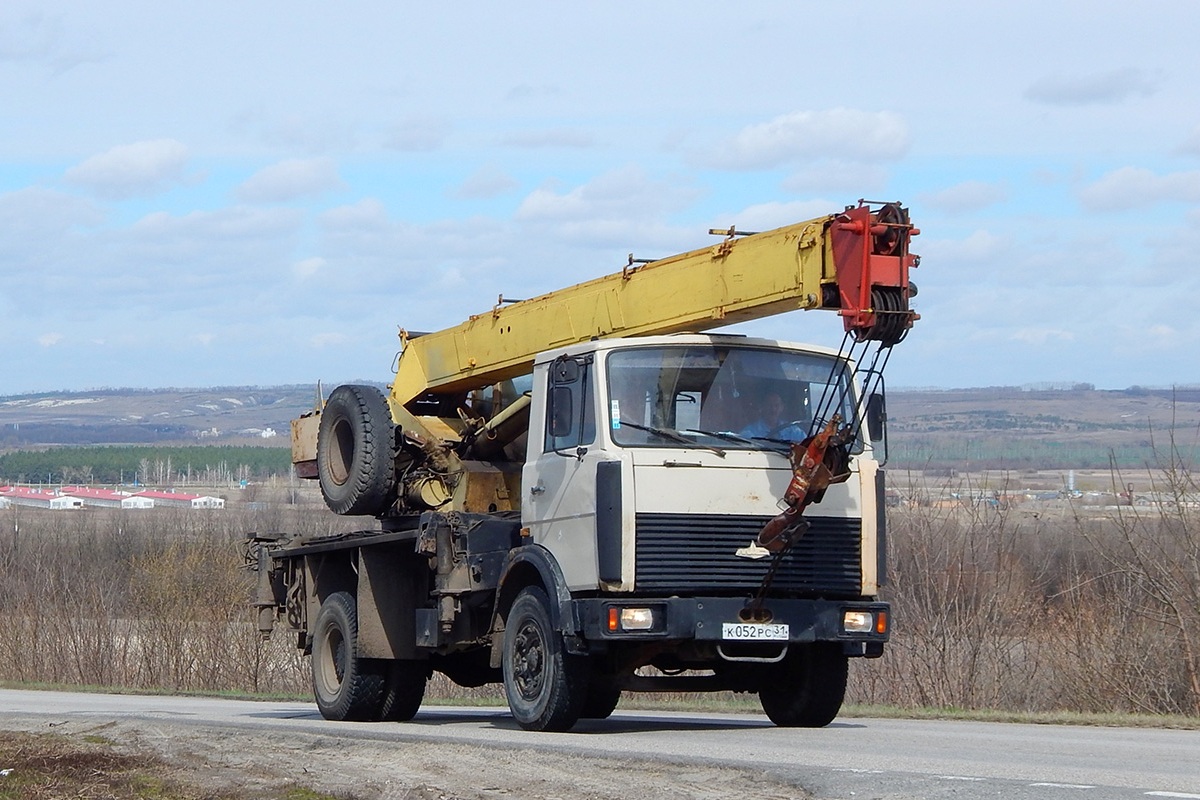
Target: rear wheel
x=345, y=686
x=545, y=685
x=354, y=451
x=404, y=690
x=806, y=689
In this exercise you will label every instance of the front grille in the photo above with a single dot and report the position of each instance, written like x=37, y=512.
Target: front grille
x=694, y=553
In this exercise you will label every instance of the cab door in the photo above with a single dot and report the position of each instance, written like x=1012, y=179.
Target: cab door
x=559, y=483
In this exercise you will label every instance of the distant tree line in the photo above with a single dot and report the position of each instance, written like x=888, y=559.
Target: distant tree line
x=42, y=433
x=998, y=452
x=157, y=465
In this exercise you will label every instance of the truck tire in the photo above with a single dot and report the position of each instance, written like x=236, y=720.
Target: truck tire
x=405, y=689
x=345, y=686
x=355, y=463
x=600, y=704
x=806, y=689
x=545, y=685
x=603, y=695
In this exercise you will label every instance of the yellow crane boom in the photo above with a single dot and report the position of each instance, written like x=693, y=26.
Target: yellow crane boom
x=855, y=262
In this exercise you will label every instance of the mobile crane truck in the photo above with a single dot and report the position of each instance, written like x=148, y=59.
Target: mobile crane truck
x=572, y=499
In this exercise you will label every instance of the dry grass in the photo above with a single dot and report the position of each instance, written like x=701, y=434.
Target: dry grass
x=51, y=767
x=994, y=611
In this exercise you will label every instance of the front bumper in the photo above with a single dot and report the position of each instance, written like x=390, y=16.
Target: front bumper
x=705, y=619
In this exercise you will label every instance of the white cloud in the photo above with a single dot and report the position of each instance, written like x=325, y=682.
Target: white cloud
x=30, y=214
x=526, y=91
x=322, y=340
x=1164, y=334
x=222, y=263
x=1153, y=342
x=309, y=133
x=766, y=216
x=1101, y=88
x=965, y=197
x=486, y=183
x=418, y=135
x=451, y=279
x=1191, y=145
x=130, y=170
x=32, y=37
x=366, y=214
x=839, y=177
x=980, y=246
x=211, y=227
x=558, y=138
x=49, y=339
x=415, y=237
x=290, y=180
x=40, y=38
x=840, y=133
x=308, y=267
x=1135, y=187
x=1037, y=336
x=626, y=194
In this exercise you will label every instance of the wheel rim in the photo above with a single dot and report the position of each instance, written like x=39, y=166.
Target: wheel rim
x=529, y=659
x=341, y=455
x=333, y=661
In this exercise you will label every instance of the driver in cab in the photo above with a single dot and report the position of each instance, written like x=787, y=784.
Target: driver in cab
x=772, y=423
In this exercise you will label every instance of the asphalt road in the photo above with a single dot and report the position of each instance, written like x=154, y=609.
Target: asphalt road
x=852, y=758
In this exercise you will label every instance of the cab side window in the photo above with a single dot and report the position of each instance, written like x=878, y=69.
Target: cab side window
x=570, y=405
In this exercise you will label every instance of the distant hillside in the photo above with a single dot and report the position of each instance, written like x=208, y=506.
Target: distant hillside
x=134, y=416
x=990, y=428
x=1010, y=428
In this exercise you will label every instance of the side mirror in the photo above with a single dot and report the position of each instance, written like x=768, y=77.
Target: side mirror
x=560, y=411
x=876, y=417
x=564, y=371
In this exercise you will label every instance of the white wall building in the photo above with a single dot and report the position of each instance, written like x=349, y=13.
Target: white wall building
x=181, y=499
x=41, y=498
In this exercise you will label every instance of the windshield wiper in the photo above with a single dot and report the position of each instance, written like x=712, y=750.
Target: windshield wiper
x=726, y=435
x=673, y=436
x=783, y=444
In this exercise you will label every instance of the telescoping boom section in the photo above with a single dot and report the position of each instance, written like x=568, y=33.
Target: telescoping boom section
x=855, y=262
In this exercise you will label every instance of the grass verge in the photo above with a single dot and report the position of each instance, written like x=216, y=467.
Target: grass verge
x=37, y=766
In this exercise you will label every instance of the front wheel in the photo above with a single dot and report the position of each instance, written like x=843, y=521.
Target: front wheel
x=545, y=685
x=806, y=689
x=603, y=696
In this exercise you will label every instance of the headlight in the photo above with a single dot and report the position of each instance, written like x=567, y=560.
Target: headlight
x=858, y=622
x=630, y=619
x=865, y=621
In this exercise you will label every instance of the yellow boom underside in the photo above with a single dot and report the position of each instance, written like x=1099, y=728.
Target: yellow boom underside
x=737, y=280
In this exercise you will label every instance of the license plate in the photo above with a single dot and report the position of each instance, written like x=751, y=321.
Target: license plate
x=755, y=631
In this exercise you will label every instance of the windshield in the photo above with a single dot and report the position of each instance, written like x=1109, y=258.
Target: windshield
x=722, y=396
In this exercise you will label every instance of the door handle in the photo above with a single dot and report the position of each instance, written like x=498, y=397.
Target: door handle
x=537, y=488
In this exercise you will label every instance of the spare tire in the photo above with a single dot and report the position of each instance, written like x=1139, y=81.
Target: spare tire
x=355, y=462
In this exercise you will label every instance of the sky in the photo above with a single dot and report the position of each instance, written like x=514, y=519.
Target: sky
x=231, y=194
